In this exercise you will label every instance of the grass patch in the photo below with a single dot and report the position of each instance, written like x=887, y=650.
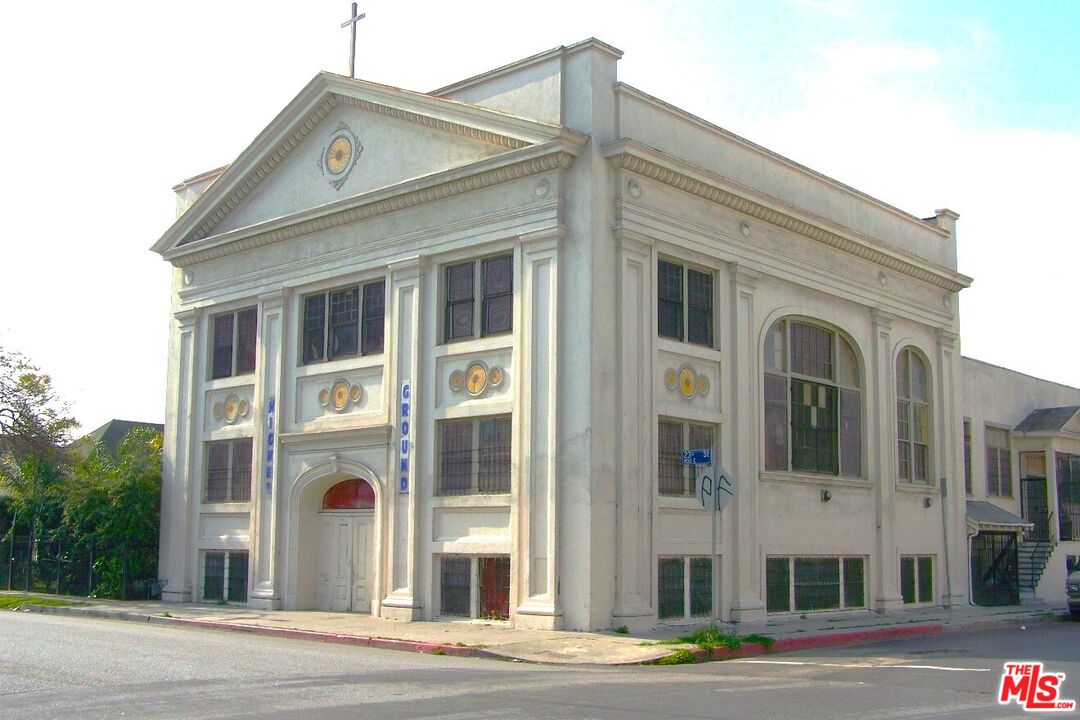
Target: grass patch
x=622, y=630
x=438, y=651
x=14, y=602
x=711, y=637
x=679, y=657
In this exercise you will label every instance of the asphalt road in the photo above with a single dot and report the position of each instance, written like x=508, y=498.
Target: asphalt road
x=61, y=667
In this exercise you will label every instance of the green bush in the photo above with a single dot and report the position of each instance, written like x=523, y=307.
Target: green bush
x=679, y=657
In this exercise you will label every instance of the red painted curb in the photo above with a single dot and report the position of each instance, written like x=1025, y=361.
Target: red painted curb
x=857, y=636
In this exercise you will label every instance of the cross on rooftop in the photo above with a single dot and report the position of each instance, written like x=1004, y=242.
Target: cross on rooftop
x=351, y=24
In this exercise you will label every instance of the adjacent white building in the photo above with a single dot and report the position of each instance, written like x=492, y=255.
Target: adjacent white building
x=438, y=355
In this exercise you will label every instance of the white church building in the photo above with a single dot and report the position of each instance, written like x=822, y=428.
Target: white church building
x=438, y=355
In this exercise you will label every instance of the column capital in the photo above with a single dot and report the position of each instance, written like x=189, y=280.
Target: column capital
x=544, y=240
x=883, y=319
x=743, y=277
x=408, y=268
x=947, y=338
x=186, y=318
x=631, y=241
x=275, y=298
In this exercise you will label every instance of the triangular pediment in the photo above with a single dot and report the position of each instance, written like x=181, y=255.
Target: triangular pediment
x=343, y=140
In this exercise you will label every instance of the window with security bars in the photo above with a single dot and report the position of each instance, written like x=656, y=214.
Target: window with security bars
x=684, y=588
x=813, y=401
x=474, y=456
x=917, y=578
x=225, y=576
x=809, y=583
x=670, y=591
x=684, y=303
x=913, y=416
x=344, y=323
x=673, y=436
x=233, y=337
x=998, y=463
x=490, y=279
x=1068, y=483
x=455, y=582
x=228, y=470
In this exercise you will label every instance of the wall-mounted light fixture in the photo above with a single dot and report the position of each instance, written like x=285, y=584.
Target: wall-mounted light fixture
x=927, y=502
x=826, y=495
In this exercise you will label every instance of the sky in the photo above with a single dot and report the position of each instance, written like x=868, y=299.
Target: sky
x=973, y=106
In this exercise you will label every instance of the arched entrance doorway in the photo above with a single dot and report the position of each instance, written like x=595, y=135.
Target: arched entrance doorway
x=345, y=575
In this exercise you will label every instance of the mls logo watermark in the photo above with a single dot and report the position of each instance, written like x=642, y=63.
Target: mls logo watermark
x=1032, y=689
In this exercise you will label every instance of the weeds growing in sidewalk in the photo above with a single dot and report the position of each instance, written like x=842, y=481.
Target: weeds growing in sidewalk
x=679, y=657
x=712, y=637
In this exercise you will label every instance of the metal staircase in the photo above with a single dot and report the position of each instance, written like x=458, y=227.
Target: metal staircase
x=1032, y=556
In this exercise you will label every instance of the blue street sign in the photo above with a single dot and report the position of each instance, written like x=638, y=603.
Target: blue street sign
x=697, y=457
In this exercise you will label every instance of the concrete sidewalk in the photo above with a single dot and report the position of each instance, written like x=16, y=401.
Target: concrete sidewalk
x=496, y=640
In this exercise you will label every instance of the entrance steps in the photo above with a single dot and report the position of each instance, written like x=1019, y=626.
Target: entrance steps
x=1032, y=557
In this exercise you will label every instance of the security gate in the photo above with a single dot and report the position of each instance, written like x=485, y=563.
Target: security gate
x=995, y=574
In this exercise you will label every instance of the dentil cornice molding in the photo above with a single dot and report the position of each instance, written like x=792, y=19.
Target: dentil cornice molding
x=500, y=169
x=653, y=164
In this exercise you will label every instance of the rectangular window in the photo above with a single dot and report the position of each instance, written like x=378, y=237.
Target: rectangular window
x=670, y=589
x=225, y=576
x=490, y=279
x=917, y=578
x=374, y=312
x=344, y=322
x=673, y=477
x=817, y=583
x=669, y=293
x=1068, y=482
x=811, y=351
x=814, y=583
x=454, y=586
x=228, y=470
x=967, y=457
x=701, y=583
x=474, y=457
x=814, y=427
x=776, y=423
x=684, y=303
x=998, y=463
x=233, y=339
x=850, y=433
x=494, y=588
x=778, y=584
x=498, y=306
x=699, y=304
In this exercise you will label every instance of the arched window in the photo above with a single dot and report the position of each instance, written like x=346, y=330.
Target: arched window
x=813, y=403
x=349, y=495
x=913, y=416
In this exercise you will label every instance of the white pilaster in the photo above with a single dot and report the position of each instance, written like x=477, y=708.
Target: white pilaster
x=266, y=590
x=535, y=498
x=744, y=456
x=951, y=462
x=178, y=492
x=400, y=601
x=883, y=464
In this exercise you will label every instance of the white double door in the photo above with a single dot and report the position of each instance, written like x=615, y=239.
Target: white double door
x=344, y=574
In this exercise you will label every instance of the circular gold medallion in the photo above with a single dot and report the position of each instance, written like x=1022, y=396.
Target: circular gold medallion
x=245, y=408
x=687, y=382
x=339, y=394
x=354, y=393
x=703, y=385
x=476, y=379
x=219, y=411
x=232, y=408
x=670, y=379
x=457, y=380
x=324, y=397
x=496, y=376
x=338, y=155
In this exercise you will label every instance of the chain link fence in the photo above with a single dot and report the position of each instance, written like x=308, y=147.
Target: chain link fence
x=62, y=566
